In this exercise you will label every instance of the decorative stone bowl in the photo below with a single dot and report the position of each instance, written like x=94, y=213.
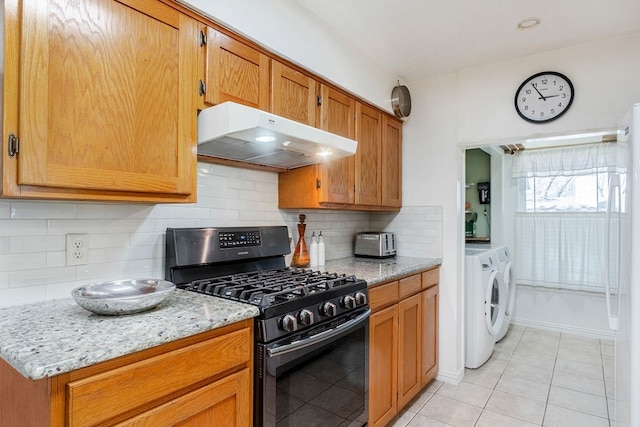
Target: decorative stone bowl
x=119, y=297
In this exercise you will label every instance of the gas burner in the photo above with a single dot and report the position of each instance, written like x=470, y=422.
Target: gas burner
x=269, y=287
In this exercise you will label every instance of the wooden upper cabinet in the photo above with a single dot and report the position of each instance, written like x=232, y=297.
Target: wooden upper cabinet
x=368, y=177
x=235, y=72
x=391, y=173
x=102, y=96
x=293, y=94
x=329, y=184
x=337, y=114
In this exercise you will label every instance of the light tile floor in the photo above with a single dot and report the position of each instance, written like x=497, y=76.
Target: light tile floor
x=534, y=378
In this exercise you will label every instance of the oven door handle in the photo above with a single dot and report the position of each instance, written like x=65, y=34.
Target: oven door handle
x=296, y=345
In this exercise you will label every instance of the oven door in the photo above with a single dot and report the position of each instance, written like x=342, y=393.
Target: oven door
x=317, y=377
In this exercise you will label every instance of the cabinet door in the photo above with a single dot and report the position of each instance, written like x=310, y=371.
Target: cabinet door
x=337, y=114
x=224, y=403
x=429, y=334
x=293, y=94
x=235, y=72
x=383, y=391
x=409, y=348
x=368, y=157
x=107, y=99
x=391, y=162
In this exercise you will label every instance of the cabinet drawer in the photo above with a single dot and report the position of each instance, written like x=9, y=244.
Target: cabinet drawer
x=410, y=285
x=100, y=397
x=430, y=278
x=383, y=295
x=224, y=403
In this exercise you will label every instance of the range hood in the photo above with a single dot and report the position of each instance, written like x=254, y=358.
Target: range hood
x=236, y=132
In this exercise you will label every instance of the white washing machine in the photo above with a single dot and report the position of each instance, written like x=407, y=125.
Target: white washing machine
x=505, y=268
x=485, y=300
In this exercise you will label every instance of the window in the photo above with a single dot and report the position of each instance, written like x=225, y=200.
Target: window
x=561, y=223
x=582, y=193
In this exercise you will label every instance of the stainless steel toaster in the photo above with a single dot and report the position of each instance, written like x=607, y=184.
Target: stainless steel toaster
x=376, y=244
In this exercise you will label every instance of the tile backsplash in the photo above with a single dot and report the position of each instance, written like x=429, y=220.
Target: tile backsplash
x=127, y=240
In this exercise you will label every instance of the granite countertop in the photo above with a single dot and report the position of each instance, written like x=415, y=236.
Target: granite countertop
x=52, y=337
x=376, y=271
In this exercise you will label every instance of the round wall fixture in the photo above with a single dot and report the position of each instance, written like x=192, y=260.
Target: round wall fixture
x=401, y=101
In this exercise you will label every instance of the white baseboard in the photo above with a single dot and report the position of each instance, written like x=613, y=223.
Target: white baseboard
x=556, y=327
x=450, y=377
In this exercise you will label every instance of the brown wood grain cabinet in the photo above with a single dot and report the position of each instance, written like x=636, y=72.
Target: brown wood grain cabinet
x=403, y=342
x=369, y=180
x=235, y=71
x=383, y=359
x=201, y=380
x=102, y=95
x=391, y=164
x=293, y=94
x=368, y=156
x=329, y=184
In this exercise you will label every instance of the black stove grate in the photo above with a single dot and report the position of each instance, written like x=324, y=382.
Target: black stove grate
x=267, y=288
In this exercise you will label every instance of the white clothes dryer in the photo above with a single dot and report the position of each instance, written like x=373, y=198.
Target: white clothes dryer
x=485, y=299
x=505, y=268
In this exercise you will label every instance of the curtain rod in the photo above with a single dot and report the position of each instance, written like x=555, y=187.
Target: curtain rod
x=514, y=148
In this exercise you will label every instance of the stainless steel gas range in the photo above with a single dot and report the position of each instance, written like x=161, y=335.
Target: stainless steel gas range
x=311, y=349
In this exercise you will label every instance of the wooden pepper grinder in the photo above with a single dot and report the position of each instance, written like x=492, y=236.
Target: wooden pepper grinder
x=301, y=255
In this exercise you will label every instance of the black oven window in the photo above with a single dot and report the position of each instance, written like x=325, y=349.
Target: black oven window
x=327, y=390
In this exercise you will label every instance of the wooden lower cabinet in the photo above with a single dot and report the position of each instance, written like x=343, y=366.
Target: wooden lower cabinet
x=221, y=404
x=383, y=357
x=409, y=348
x=403, y=343
x=429, y=335
x=204, y=380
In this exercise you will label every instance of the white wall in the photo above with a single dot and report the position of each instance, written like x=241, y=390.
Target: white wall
x=432, y=175
x=573, y=312
x=605, y=79
x=474, y=107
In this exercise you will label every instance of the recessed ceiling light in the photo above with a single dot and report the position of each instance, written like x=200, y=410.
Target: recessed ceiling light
x=527, y=23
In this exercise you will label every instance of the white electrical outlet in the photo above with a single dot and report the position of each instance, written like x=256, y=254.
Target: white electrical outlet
x=77, y=249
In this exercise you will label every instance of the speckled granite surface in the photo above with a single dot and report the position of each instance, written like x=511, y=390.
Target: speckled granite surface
x=48, y=338
x=52, y=337
x=375, y=271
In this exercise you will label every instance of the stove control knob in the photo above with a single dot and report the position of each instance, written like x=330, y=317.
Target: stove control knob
x=349, y=302
x=289, y=323
x=305, y=317
x=361, y=298
x=328, y=309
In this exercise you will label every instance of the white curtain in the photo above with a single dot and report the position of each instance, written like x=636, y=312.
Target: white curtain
x=565, y=161
x=562, y=249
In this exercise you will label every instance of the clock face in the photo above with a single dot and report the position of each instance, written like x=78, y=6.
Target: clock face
x=544, y=97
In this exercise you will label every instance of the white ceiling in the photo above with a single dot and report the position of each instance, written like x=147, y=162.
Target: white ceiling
x=417, y=39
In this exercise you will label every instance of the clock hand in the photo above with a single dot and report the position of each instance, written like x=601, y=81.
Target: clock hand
x=541, y=95
x=551, y=96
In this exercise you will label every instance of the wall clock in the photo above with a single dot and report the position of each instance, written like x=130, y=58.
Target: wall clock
x=544, y=97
